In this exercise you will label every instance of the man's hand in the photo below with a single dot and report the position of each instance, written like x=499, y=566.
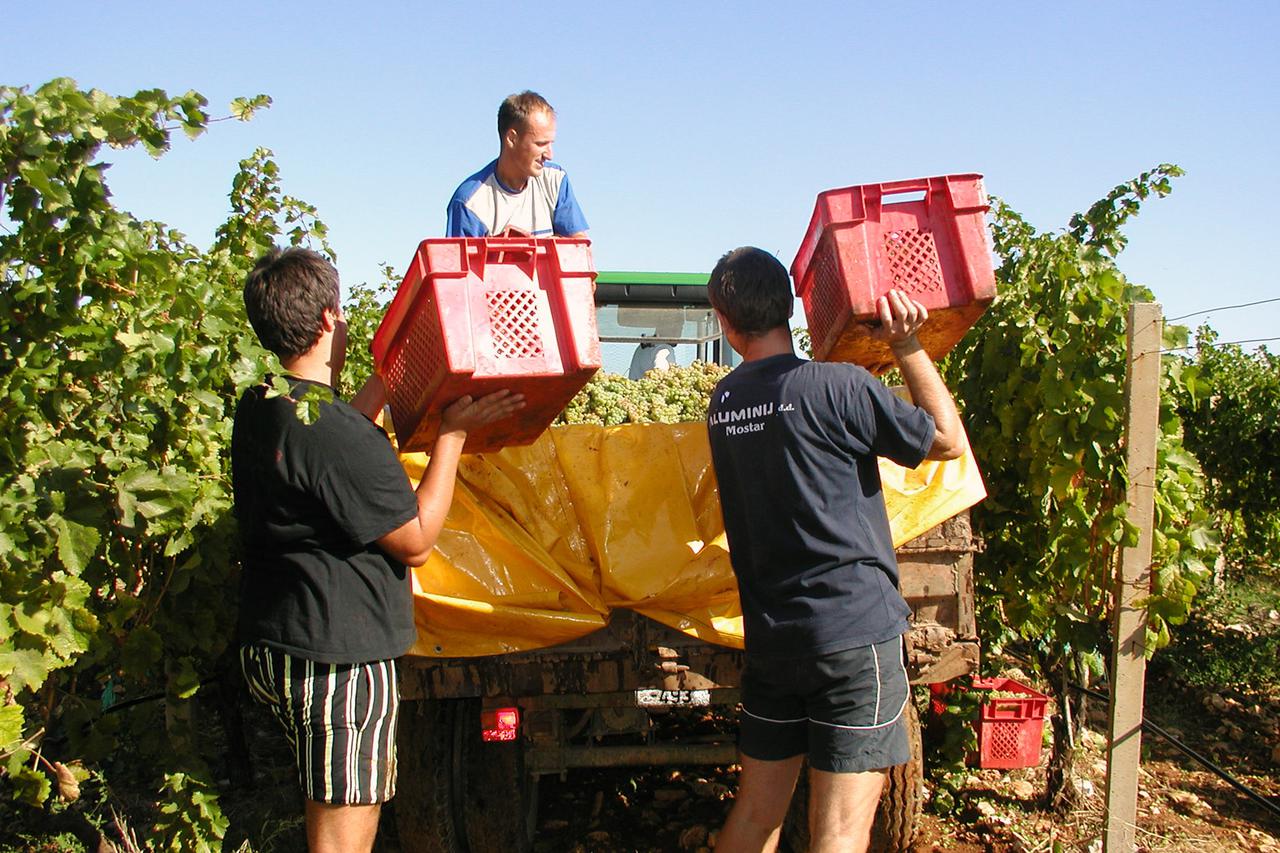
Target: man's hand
x=900, y=318
x=467, y=413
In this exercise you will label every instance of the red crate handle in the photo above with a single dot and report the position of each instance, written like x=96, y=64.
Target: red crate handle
x=957, y=193
x=896, y=187
x=871, y=197
x=496, y=250
x=505, y=244
x=961, y=191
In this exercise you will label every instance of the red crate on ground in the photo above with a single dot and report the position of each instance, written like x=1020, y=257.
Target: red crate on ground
x=926, y=237
x=476, y=315
x=1010, y=728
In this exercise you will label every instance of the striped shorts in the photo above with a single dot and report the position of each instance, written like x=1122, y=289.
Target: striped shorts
x=340, y=720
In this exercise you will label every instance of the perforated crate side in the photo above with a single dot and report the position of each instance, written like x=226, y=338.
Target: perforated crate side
x=415, y=368
x=913, y=262
x=827, y=299
x=1006, y=744
x=513, y=323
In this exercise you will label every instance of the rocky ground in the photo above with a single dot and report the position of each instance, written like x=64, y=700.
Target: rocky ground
x=1183, y=806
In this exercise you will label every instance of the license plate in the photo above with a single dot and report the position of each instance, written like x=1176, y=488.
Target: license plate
x=652, y=697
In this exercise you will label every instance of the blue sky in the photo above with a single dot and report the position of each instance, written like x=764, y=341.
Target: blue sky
x=688, y=129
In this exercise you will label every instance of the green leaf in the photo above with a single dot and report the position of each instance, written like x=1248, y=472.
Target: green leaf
x=1060, y=480
x=185, y=681
x=11, y=719
x=128, y=509
x=131, y=340
x=32, y=617
x=156, y=507
x=26, y=668
x=53, y=190
x=142, y=650
x=77, y=543
x=244, y=108
x=143, y=480
x=179, y=543
x=30, y=786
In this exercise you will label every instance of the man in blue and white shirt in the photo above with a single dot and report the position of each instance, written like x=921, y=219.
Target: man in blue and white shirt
x=522, y=191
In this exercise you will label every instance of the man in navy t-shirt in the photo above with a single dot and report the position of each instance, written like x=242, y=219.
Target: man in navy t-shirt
x=795, y=446
x=522, y=192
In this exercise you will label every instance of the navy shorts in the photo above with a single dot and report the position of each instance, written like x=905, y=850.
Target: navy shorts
x=340, y=720
x=845, y=710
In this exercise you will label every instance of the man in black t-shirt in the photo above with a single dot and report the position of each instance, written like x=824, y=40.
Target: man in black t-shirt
x=328, y=523
x=795, y=445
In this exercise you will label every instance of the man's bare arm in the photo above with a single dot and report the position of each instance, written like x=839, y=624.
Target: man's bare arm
x=900, y=319
x=371, y=397
x=411, y=542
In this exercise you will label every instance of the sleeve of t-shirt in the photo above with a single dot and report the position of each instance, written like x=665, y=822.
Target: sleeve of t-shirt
x=461, y=222
x=881, y=423
x=568, y=218
x=358, y=477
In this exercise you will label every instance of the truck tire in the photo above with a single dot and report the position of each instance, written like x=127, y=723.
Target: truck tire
x=903, y=795
x=427, y=752
x=456, y=793
x=899, y=809
x=501, y=809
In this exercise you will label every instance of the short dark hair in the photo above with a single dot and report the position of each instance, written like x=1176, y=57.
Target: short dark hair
x=516, y=109
x=752, y=290
x=285, y=296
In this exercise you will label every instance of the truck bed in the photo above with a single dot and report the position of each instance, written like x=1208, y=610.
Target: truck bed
x=633, y=652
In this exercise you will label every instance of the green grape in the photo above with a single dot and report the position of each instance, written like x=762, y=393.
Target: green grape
x=680, y=394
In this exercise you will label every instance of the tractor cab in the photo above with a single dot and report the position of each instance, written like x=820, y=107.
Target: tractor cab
x=653, y=320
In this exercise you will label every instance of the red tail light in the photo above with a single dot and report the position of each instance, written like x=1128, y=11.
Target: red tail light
x=498, y=724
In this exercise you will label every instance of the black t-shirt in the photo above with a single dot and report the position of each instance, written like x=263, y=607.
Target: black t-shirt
x=311, y=500
x=794, y=444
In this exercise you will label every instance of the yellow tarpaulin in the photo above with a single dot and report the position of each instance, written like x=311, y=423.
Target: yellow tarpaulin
x=543, y=541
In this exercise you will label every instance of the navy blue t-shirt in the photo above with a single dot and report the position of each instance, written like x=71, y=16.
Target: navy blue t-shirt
x=794, y=445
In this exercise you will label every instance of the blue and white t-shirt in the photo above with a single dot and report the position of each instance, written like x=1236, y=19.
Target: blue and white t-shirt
x=794, y=444
x=482, y=206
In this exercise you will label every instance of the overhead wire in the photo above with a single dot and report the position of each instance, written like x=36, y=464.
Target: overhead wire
x=1223, y=308
x=1221, y=344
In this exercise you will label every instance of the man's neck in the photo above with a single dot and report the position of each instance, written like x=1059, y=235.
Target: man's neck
x=311, y=366
x=510, y=178
x=773, y=342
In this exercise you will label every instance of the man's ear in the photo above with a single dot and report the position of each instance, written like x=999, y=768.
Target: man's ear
x=329, y=319
x=724, y=324
x=510, y=137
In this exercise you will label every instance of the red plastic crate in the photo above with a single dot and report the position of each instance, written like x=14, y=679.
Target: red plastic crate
x=1010, y=730
x=476, y=315
x=862, y=242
